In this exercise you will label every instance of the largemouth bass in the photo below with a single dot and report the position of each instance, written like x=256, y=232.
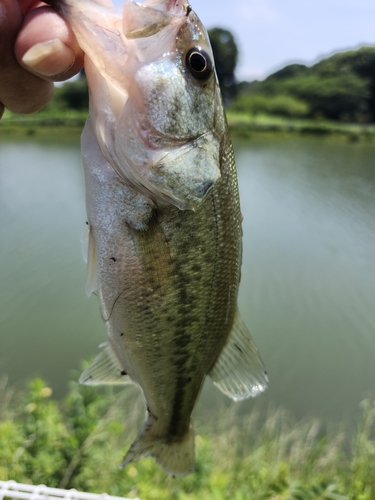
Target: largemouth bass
x=164, y=218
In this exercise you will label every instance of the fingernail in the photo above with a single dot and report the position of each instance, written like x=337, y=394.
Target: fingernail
x=49, y=58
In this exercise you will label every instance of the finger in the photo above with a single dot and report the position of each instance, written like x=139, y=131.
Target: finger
x=27, y=5
x=20, y=91
x=47, y=47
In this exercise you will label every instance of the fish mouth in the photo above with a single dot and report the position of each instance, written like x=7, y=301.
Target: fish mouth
x=187, y=174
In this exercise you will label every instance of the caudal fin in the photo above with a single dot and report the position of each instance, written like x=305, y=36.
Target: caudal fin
x=176, y=456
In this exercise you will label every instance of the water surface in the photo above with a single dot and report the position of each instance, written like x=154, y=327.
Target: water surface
x=308, y=276
x=308, y=283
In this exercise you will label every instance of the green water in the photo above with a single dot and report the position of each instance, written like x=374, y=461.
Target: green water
x=308, y=276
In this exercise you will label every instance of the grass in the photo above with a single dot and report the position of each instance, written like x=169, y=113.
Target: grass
x=42, y=126
x=80, y=442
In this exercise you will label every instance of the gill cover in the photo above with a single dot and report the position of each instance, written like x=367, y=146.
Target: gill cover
x=155, y=101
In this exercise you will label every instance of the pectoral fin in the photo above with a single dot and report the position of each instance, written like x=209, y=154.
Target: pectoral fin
x=105, y=369
x=239, y=372
x=92, y=271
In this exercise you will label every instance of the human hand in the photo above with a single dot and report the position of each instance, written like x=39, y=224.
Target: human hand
x=37, y=47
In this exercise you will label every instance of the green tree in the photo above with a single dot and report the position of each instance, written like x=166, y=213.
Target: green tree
x=340, y=87
x=280, y=105
x=73, y=95
x=335, y=95
x=290, y=71
x=225, y=53
x=361, y=62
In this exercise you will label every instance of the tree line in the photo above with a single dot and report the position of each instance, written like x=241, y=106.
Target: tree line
x=339, y=87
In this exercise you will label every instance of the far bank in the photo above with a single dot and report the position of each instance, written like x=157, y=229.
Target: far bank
x=69, y=126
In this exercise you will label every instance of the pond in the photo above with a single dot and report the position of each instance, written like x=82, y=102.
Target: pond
x=308, y=276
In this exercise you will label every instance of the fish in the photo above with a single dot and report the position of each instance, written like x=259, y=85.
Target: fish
x=164, y=219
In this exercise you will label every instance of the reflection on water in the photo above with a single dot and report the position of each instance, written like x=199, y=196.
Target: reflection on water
x=308, y=277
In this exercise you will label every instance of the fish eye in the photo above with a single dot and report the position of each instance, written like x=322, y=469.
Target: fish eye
x=199, y=63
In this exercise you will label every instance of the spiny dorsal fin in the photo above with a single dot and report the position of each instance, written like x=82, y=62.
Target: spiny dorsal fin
x=239, y=372
x=105, y=369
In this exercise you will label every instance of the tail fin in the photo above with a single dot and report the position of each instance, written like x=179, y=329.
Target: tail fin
x=176, y=456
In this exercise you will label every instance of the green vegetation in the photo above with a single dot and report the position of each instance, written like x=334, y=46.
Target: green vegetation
x=63, y=118
x=73, y=96
x=279, y=105
x=80, y=443
x=225, y=53
x=340, y=87
x=250, y=126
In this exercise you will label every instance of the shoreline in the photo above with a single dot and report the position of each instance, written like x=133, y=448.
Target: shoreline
x=241, y=126
x=245, y=126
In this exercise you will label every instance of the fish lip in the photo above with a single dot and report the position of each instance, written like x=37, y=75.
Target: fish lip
x=186, y=193
x=185, y=145
x=190, y=202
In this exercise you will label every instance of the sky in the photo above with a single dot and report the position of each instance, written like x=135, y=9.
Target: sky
x=273, y=33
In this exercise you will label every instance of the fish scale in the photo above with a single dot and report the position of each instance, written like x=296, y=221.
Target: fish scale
x=164, y=242
x=200, y=314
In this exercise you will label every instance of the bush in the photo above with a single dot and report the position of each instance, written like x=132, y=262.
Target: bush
x=332, y=95
x=280, y=105
x=340, y=87
x=80, y=443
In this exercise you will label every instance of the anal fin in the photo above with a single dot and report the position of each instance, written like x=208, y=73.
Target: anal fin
x=239, y=372
x=105, y=369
